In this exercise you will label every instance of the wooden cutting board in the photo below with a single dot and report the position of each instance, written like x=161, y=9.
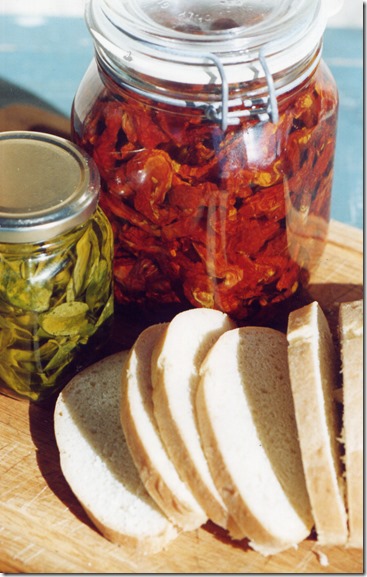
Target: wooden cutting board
x=43, y=529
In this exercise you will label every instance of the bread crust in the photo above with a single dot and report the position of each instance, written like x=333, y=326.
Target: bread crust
x=351, y=345
x=188, y=325
x=161, y=480
x=314, y=376
x=251, y=528
x=133, y=544
x=216, y=414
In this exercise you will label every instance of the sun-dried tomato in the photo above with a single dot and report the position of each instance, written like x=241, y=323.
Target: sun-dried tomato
x=233, y=220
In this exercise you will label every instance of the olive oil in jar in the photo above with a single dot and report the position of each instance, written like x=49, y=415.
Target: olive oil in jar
x=56, y=247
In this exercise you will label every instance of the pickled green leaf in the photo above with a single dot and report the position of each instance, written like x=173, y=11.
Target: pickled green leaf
x=66, y=319
x=62, y=279
x=98, y=288
x=63, y=355
x=107, y=312
x=6, y=338
x=70, y=291
x=88, y=252
x=52, y=301
x=20, y=292
x=15, y=357
x=19, y=384
x=18, y=328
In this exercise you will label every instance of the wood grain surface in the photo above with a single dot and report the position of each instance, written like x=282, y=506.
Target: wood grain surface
x=43, y=529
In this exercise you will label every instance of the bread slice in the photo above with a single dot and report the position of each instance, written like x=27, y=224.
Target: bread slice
x=96, y=462
x=351, y=343
x=313, y=369
x=138, y=421
x=176, y=362
x=246, y=417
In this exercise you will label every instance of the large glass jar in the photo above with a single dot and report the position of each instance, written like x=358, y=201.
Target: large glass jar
x=213, y=125
x=56, y=251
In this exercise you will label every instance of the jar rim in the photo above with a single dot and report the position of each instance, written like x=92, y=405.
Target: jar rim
x=264, y=56
x=148, y=32
x=48, y=186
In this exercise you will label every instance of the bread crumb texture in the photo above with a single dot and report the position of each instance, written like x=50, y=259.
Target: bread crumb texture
x=96, y=461
x=245, y=395
x=314, y=377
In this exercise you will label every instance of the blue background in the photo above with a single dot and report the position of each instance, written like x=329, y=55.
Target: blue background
x=50, y=59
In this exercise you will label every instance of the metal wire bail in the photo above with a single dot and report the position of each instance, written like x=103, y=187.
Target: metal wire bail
x=264, y=108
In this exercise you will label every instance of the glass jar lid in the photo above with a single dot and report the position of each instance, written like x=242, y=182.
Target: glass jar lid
x=235, y=52
x=47, y=186
x=140, y=35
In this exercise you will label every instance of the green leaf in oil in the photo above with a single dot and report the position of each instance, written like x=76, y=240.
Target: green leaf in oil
x=17, y=329
x=6, y=338
x=16, y=382
x=107, y=312
x=50, y=306
x=70, y=291
x=21, y=290
x=106, y=246
x=62, y=279
x=22, y=293
x=98, y=287
x=18, y=357
x=66, y=319
x=63, y=354
x=87, y=250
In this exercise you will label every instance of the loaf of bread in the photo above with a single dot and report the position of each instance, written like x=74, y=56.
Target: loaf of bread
x=97, y=464
x=176, y=363
x=138, y=421
x=246, y=418
x=314, y=369
x=351, y=344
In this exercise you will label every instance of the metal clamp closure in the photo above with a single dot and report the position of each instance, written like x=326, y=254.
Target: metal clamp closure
x=264, y=108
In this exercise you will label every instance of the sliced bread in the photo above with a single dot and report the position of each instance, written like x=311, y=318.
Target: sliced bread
x=96, y=461
x=138, y=421
x=176, y=361
x=351, y=342
x=313, y=370
x=246, y=417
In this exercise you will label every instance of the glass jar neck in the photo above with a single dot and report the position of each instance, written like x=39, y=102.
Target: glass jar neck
x=50, y=246
x=263, y=51
x=259, y=97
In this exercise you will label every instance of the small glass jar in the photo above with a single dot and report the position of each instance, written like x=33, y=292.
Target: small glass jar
x=56, y=251
x=213, y=126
